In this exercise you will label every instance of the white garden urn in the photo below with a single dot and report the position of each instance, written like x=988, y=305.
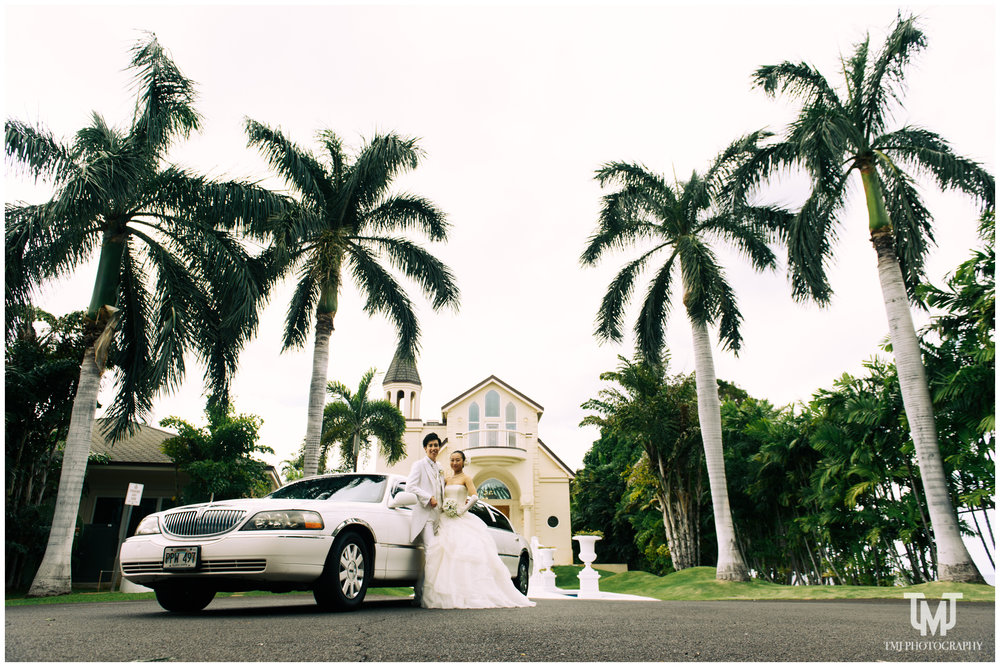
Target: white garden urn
x=588, y=576
x=547, y=578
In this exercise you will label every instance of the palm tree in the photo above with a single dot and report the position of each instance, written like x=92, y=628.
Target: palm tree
x=344, y=215
x=679, y=221
x=652, y=409
x=352, y=420
x=830, y=133
x=157, y=226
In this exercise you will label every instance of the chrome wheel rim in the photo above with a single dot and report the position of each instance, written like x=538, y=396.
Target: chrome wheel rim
x=352, y=570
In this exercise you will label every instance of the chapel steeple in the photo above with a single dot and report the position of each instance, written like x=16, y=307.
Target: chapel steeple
x=402, y=385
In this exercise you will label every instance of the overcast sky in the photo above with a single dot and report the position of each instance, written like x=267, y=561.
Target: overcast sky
x=515, y=108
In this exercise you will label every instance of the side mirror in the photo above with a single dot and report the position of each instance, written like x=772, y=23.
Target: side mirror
x=402, y=499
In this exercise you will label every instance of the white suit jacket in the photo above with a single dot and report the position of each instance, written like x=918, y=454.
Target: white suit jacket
x=426, y=480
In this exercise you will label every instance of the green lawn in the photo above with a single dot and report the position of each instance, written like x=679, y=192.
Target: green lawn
x=699, y=583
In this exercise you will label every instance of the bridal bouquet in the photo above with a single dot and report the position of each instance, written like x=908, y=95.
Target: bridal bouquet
x=450, y=507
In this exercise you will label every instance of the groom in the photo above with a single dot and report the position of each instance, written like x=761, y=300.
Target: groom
x=426, y=482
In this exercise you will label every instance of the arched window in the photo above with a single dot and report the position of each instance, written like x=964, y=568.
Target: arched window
x=493, y=489
x=400, y=395
x=474, y=425
x=413, y=401
x=510, y=423
x=492, y=403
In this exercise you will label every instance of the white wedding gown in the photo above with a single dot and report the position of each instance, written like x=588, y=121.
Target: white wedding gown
x=463, y=570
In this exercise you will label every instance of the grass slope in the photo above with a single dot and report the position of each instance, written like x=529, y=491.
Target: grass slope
x=699, y=583
x=696, y=583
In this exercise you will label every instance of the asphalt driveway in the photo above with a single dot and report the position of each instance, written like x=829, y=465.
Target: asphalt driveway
x=290, y=628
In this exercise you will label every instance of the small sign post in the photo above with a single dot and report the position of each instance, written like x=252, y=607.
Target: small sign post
x=132, y=499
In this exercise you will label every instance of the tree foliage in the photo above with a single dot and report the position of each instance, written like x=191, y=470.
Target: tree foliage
x=218, y=458
x=171, y=260
x=41, y=369
x=648, y=411
x=352, y=420
x=829, y=491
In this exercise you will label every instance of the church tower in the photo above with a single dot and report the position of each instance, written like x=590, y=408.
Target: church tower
x=402, y=385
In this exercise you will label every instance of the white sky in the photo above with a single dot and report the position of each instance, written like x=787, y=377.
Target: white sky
x=515, y=107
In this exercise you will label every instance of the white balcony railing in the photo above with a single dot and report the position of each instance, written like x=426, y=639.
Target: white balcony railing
x=493, y=437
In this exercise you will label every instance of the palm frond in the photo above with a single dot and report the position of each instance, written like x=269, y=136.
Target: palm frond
x=810, y=240
x=822, y=136
x=165, y=107
x=884, y=84
x=652, y=320
x=624, y=219
x=44, y=246
x=384, y=295
x=335, y=149
x=297, y=166
x=695, y=197
x=380, y=161
x=854, y=73
x=798, y=79
x=226, y=204
x=744, y=178
x=729, y=161
x=133, y=398
x=301, y=309
x=637, y=176
x=176, y=313
x=611, y=316
x=912, y=228
x=34, y=151
x=751, y=232
x=927, y=151
x=435, y=279
x=406, y=211
x=700, y=276
x=728, y=313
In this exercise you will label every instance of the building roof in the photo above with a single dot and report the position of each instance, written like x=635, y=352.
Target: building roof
x=402, y=369
x=493, y=378
x=558, y=460
x=142, y=447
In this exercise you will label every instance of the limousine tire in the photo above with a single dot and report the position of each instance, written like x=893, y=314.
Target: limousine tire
x=349, y=569
x=521, y=580
x=184, y=598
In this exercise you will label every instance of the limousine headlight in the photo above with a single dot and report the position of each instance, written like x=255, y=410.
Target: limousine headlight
x=285, y=520
x=148, y=526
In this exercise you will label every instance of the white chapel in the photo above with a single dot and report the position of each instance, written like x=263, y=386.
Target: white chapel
x=496, y=426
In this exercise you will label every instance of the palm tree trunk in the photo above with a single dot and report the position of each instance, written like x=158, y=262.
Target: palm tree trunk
x=53, y=576
x=730, y=565
x=317, y=393
x=954, y=562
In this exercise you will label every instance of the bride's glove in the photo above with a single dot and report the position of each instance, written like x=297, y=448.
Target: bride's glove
x=469, y=502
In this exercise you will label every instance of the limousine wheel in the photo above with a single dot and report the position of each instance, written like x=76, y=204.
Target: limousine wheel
x=521, y=582
x=344, y=581
x=184, y=598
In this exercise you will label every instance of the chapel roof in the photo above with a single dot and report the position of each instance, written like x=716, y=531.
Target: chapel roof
x=402, y=369
x=493, y=379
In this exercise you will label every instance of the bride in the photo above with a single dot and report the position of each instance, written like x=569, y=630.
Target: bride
x=463, y=570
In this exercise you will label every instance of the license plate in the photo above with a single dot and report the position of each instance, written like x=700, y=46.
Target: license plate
x=180, y=558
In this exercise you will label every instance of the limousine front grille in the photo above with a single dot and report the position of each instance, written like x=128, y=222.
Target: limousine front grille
x=206, y=566
x=211, y=522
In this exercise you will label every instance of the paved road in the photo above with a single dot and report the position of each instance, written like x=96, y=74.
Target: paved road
x=289, y=628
